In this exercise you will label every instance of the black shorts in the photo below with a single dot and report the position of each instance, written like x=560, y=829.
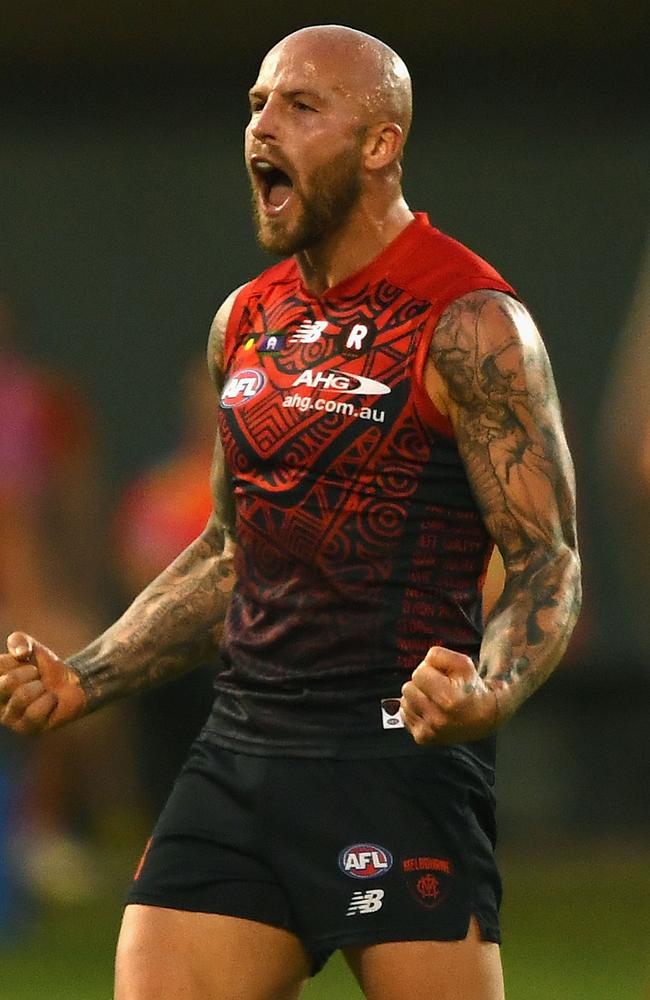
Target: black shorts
x=340, y=852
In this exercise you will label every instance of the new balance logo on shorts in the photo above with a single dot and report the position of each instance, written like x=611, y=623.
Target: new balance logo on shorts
x=366, y=902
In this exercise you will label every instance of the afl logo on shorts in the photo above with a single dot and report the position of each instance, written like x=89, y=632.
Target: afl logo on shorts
x=242, y=386
x=365, y=861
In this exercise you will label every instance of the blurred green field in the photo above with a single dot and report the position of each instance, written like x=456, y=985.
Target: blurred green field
x=576, y=927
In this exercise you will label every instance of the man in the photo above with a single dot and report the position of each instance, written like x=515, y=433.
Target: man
x=387, y=409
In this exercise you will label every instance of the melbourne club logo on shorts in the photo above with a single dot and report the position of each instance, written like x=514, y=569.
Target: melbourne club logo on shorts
x=365, y=861
x=428, y=879
x=365, y=902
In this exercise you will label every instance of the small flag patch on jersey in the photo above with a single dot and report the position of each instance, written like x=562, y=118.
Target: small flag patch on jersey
x=271, y=343
x=391, y=717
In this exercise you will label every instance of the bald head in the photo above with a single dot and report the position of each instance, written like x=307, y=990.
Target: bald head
x=366, y=68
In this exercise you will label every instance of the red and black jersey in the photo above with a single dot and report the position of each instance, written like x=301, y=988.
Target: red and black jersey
x=360, y=544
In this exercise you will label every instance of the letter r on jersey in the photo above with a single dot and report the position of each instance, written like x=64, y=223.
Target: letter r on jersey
x=356, y=336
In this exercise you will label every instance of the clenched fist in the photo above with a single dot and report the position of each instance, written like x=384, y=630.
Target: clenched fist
x=446, y=701
x=37, y=688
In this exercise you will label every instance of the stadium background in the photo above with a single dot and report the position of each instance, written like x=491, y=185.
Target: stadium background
x=124, y=219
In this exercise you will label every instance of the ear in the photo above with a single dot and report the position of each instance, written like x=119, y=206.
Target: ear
x=383, y=145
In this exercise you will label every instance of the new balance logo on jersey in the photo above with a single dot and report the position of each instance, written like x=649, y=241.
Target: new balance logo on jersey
x=309, y=332
x=338, y=381
x=366, y=902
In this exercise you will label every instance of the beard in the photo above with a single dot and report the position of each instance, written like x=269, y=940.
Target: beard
x=323, y=205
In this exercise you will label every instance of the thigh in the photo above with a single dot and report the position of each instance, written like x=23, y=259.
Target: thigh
x=430, y=970
x=166, y=954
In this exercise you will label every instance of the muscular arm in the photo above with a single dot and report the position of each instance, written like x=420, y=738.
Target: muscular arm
x=175, y=623
x=493, y=377
x=488, y=371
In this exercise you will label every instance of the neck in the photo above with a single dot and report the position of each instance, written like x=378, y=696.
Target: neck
x=360, y=239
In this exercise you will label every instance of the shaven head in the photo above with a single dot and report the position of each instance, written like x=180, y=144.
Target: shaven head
x=330, y=110
x=367, y=70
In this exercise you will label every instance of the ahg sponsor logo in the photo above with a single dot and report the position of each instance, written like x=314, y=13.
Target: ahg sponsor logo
x=365, y=861
x=334, y=380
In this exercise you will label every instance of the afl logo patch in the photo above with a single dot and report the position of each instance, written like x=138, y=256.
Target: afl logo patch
x=242, y=386
x=365, y=861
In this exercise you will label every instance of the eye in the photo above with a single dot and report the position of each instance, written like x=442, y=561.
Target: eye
x=256, y=101
x=301, y=106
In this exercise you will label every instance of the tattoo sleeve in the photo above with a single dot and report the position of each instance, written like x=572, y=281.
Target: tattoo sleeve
x=175, y=624
x=501, y=398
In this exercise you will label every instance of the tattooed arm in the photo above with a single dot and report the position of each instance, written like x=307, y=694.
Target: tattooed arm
x=489, y=372
x=173, y=626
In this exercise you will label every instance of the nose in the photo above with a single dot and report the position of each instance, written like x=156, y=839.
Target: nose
x=265, y=122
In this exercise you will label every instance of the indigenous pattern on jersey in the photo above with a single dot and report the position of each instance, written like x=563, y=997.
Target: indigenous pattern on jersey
x=360, y=544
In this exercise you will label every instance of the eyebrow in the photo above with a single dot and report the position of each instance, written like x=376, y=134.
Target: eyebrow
x=289, y=94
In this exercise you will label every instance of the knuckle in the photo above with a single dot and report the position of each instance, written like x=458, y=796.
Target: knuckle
x=19, y=699
x=423, y=735
x=22, y=726
x=33, y=714
x=25, y=694
x=468, y=665
x=8, y=718
x=7, y=685
x=40, y=710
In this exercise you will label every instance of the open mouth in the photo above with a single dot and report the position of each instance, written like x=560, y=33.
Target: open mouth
x=274, y=185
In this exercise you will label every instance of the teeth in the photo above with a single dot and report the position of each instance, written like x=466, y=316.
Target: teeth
x=264, y=166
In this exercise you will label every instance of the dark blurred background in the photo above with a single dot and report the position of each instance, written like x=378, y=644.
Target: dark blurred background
x=125, y=222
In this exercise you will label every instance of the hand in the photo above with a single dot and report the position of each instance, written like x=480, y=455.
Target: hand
x=37, y=689
x=446, y=701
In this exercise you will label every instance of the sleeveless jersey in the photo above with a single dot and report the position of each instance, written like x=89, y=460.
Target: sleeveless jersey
x=360, y=544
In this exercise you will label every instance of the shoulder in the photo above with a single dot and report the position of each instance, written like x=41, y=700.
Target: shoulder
x=217, y=336
x=439, y=268
x=487, y=343
x=486, y=317
x=284, y=273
